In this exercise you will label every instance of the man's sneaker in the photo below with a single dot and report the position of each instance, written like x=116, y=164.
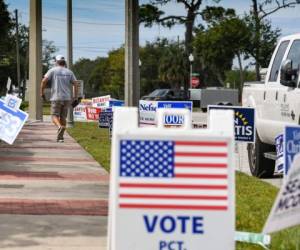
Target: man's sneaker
x=60, y=134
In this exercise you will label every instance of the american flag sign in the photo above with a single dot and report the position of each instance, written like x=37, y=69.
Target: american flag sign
x=179, y=175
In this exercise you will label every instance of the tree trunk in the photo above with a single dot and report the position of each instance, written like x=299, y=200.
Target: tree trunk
x=220, y=78
x=241, y=73
x=189, y=25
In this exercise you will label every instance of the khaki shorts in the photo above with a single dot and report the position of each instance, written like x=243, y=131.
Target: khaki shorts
x=60, y=108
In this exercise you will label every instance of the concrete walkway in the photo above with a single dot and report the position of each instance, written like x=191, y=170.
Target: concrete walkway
x=52, y=195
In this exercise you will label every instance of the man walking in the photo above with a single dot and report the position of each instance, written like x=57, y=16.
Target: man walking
x=61, y=79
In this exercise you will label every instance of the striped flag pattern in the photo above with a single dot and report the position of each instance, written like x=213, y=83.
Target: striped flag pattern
x=187, y=175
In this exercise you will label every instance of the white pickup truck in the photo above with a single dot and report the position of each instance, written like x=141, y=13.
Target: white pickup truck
x=277, y=104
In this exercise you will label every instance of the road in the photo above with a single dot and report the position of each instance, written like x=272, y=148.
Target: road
x=241, y=152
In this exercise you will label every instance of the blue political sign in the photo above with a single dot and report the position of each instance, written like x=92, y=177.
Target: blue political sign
x=175, y=104
x=11, y=122
x=175, y=119
x=116, y=103
x=244, y=122
x=105, y=118
x=291, y=145
x=279, y=154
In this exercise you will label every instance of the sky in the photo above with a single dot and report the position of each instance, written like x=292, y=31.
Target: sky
x=98, y=25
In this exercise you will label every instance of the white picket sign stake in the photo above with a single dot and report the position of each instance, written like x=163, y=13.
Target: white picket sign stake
x=171, y=188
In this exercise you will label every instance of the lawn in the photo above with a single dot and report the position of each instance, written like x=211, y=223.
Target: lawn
x=254, y=198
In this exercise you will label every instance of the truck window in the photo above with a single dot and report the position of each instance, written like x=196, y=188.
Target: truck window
x=294, y=54
x=277, y=61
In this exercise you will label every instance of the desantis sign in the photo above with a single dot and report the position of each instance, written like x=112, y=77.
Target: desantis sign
x=244, y=124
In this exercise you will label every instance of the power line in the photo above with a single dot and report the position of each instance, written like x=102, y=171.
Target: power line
x=81, y=22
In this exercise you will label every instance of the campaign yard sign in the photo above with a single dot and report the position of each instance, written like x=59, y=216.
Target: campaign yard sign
x=244, y=122
x=286, y=209
x=105, y=118
x=148, y=111
x=11, y=120
x=101, y=101
x=279, y=163
x=171, y=190
x=92, y=113
x=174, y=120
x=175, y=104
x=79, y=113
x=291, y=145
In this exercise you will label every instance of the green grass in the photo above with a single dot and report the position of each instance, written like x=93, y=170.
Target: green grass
x=94, y=140
x=254, y=198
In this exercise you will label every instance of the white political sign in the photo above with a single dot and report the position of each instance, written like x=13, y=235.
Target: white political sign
x=13, y=102
x=8, y=84
x=147, y=112
x=11, y=119
x=79, y=113
x=286, y=209
x=171, y=188
x=101, y=101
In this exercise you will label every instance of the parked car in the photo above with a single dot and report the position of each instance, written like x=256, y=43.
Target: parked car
x=167, y=95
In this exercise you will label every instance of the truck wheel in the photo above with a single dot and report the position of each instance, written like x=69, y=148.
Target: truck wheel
x=260, y=166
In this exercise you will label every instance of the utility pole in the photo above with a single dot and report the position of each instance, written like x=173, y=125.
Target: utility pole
x=132, y=72
x=70, y=118
x=35, y=60
x=18, y=53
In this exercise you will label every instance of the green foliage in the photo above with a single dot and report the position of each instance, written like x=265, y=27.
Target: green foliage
x=233, y=77
x=262, y=49
x=173, y=68
x=225, y=37
x=5, y=45
x=8, y=50
x=96, y=80
x=49, y=51
x=83, y=69
x=116, y=61
x=149, y=14
x=162, y=66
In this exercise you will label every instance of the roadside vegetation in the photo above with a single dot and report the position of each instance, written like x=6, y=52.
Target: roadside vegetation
x=46, y=107
x=214, y=34
x=254, y=198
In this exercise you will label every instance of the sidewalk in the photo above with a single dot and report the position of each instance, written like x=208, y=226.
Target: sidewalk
x=52, y=195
